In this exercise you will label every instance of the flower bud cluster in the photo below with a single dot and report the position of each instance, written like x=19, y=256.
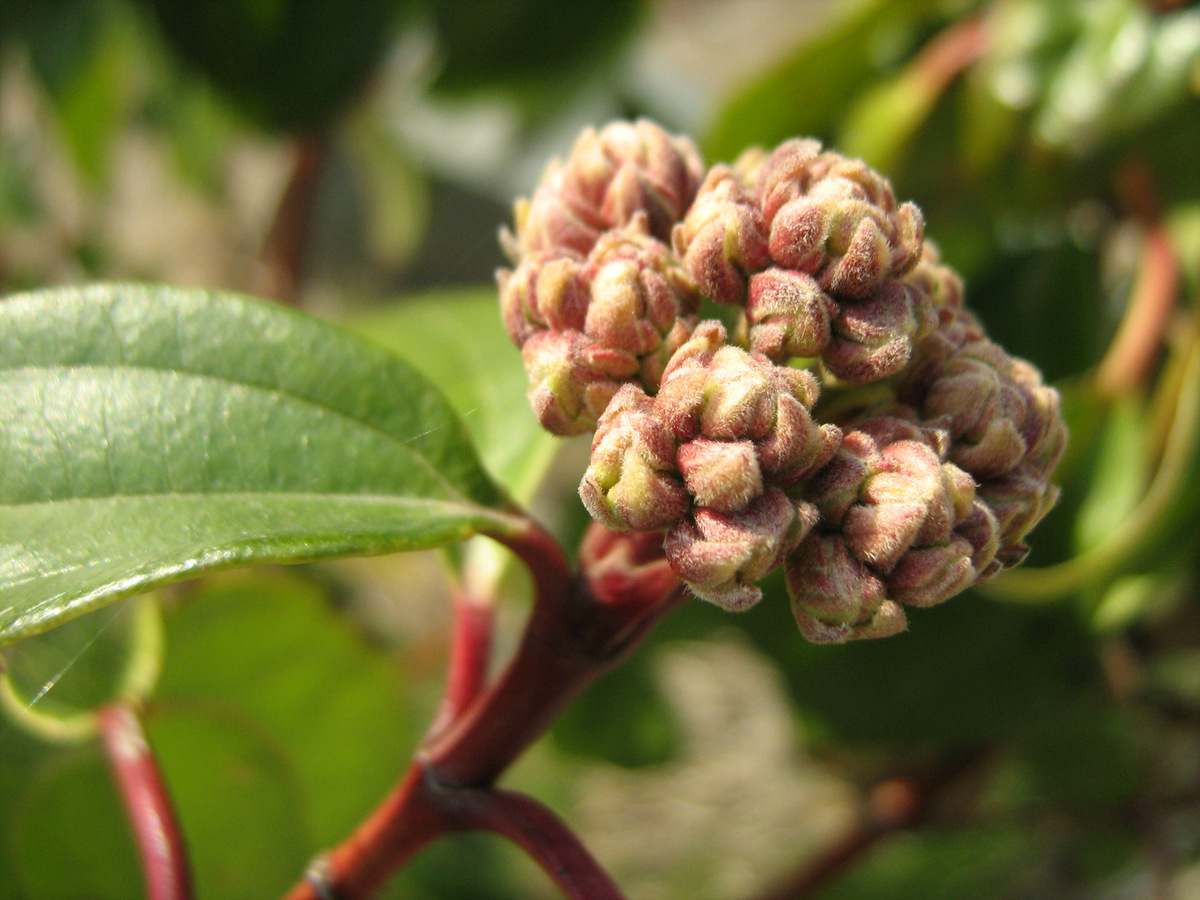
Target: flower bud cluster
x=816, y=250
x=711, y=459
x=596, y=298
x=919, y=475
x=1004, y=424
x=898, y=525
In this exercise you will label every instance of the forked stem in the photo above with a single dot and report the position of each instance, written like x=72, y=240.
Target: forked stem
x=581, y=625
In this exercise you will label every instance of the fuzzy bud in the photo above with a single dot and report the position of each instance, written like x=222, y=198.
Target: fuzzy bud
x=544, y=293
x=836, y=219
x=721, y=555
x=788, y=314
x=631, y=482
x=571, y=380
x=721, y=239
x=719, y=392
x=898, y=521
x=835, y=596
x=1005, y=425
x=623, y=170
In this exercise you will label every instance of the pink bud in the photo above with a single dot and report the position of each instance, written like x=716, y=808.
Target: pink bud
x=832, y=591
x=788, y=314
x=720, y=555
x=721, y=239
x=543, y=292
x=631, y=482
x=721, y=475
x=567, y=391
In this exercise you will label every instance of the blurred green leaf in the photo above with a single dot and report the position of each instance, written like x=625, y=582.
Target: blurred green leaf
x=603, y=724
x=293, y=65
x=967, y=671
x=526, y=44
x=58, y=846
x=153, y=434
x=1119, y=474
x=75, y=668
x=237, y=797
x=83, y=52
x=267, y=648
x=807, y=94
x=1125, y=67
x=982, y=861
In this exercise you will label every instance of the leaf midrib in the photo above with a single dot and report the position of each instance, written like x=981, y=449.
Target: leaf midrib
x=401, y=444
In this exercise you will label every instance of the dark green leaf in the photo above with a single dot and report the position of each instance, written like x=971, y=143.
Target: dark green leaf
x=151, y=434
x=525, y=43
x=290, y=64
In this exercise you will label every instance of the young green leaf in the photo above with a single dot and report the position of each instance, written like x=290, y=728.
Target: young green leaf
x=151, y=434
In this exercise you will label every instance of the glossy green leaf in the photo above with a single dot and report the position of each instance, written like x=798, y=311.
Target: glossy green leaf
x=152, y=434
x=456, y=340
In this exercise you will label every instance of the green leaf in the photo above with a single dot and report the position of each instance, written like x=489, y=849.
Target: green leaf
x=96, y=858
x=339, y=710
x=526, y=43
x=455, y=339
x=151, y=434
x=808, y=93
x=293, y=65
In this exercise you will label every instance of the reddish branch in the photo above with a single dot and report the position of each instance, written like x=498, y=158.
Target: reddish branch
x=894, y=805
x=155, y=827
x=581, y=625
x=949, y=53
x=470, y=653
x=284, y=247
x=541, y=834
x=1131, y=355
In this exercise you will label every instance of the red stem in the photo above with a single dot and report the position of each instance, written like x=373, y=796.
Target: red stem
x=579, y=628
x=470, y=654
x=541, y=834
x=950, y=52
x=894, y=805
x=1130, y=356
x=283, y=249
x=156, y=830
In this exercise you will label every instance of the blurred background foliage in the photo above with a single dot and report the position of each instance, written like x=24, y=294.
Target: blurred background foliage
x=1037, y=739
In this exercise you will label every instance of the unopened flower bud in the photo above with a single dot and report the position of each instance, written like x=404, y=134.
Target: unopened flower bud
x=895, y=518
x=571, y=380
x=1019, y=500
x=642, y=302
x=543, y=293
x=721, y=556
x=995, y=407
x=836, y=219
x=720, y=392
x=788, y=314
x=631, y=482
x=721, y=239
x=721, y=475
x=835, y=596
x=554, y=220
x=873, y=338
x=936, y=282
